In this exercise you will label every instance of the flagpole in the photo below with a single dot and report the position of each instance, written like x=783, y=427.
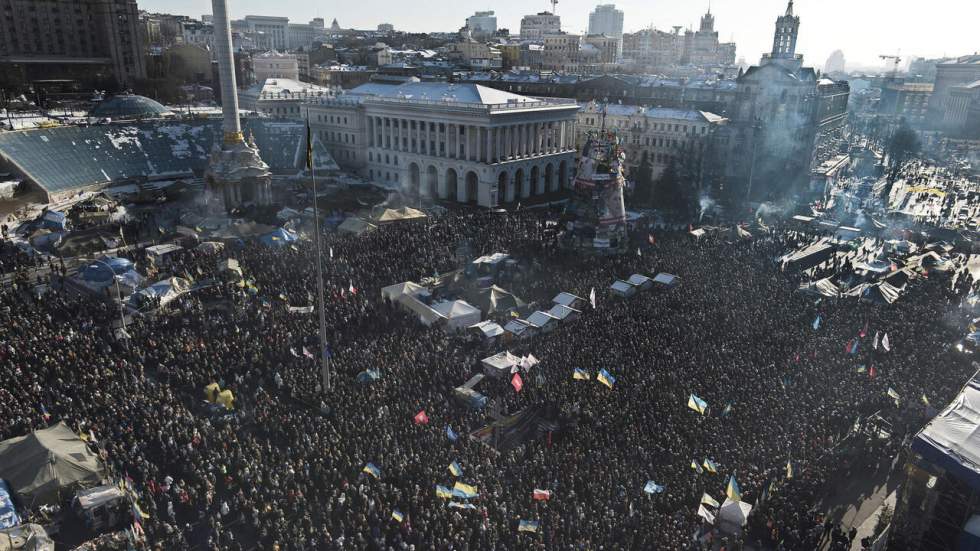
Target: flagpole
x=324, y=360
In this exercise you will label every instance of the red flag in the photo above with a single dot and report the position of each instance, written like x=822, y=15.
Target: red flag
x=872, y=372
x=517, y=382
x=864, y=331
x=421, y=418
x=541, y=495
x=847, y=347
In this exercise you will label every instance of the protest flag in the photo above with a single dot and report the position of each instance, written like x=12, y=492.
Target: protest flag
x=580, y=375
x=696, y=466
x=707, y=515
x=372, y=470
x=697, y=404
x=451, y=434
x=421, y=418
x=517, y=382
x=605, y=378
x=652, y=487
x=528, y=526
x=541, y=495
x=443, y=492
x=709, y=501
x=464, y=491
x=710, y=466
x=884, y=343
x=455, y=469
x=592, y=297
x=397, y=515
x=816, y=323
x=733, y=492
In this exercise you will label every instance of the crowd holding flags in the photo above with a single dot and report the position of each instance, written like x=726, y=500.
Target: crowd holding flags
x=652, y=487
x=581, y=375
x=528, y=526
x=710, y=466
x=421, y=418
x=372, y=470
x=697, y=404
x=733, y=492
x=541, y=495
x=455, y=469
x=605, y=378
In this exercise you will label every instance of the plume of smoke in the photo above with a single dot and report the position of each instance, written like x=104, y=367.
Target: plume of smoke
x=706, y=203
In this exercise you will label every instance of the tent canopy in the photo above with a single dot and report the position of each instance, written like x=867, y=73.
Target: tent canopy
x=278, y=237
x=46, y=464
x=459, y=313
x=568, y=299
x=733, y=515
x=488, y=329
x=410, y=288
x=951, y=440
x=106, y=267
x=622, y=288
x=823, y=287
x=664, y=278
x=398, y=215
x=356, y=226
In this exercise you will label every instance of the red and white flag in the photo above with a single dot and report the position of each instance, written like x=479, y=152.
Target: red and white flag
x=307, y=353
x=352, y=289
x=421, y=418
x=517, y=382
x=541, y=495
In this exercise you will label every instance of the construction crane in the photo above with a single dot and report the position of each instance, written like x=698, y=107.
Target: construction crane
x=895, y=61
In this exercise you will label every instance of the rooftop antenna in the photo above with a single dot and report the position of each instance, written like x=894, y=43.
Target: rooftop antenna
x=554, y=10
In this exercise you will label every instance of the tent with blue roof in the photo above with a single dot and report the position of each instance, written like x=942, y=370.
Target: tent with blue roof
x=278, y=237
x=8, y=514
x=106, y=268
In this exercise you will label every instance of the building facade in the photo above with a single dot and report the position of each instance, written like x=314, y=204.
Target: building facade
x=963, y=70
x=455, y=142
x=273, y=64
x=535, y=27
x=664, y=135
x=85, y=40
x=607, y=20
x=303, y=35
x=702, y=47
x=271, y=33
x=482, y=24
x=908, y=100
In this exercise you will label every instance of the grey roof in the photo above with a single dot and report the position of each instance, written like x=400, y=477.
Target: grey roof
x=71, y=157
x=657, y=112
x=128, y=107
x=440, y=91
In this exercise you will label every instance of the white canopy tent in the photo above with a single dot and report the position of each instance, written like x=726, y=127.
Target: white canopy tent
x=458, y=313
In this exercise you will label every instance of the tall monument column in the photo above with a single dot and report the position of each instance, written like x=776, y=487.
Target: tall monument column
x=236, y=173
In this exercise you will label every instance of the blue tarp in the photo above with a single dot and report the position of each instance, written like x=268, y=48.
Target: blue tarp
x=8, y=515
x=99, y=271
x=54, y=220
x=278, y=237
x=951, y=440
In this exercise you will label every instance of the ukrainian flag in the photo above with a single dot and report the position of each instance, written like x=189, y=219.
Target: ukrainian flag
x=455, y=469
x=605, y=378
x=710, y=466
x=580, y=375
x=708, y=500
x=372, y=470
x=696, y=467
x=528, y=526
x=443, y=492
x=733, y=492
x=464, y=491
x=397, y=515
x=925, y=400
x=697, y=404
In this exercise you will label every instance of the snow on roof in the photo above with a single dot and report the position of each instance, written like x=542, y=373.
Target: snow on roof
x=440, y=91
x=566, y=299
x=540, y=319
x=286, y=86
x=455, y=308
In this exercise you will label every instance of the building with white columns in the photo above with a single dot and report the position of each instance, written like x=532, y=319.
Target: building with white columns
x=456, y=142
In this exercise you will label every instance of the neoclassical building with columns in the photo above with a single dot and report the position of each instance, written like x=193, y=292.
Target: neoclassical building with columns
x=455, y=142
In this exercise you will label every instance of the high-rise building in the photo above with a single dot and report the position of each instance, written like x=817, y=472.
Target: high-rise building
x=303, y=35
x=702, y=47
x=784, y=41
x=607, y=20
x=956, y=72
x=835, y=63
x=88, y=40
x=534, y=27
x=271, y=33
x=482, y=23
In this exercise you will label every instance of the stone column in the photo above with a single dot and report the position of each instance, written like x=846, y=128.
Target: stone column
x=230, y=125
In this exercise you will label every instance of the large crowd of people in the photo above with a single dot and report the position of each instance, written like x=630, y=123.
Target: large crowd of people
x=285, y=470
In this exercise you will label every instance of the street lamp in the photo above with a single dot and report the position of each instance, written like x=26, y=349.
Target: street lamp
x=112, y=274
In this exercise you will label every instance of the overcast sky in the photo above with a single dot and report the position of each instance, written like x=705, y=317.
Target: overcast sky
x=863, y=29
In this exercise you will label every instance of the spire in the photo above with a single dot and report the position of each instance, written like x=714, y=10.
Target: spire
x=789, y=8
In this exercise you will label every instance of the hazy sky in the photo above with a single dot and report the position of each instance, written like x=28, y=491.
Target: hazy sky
x=863, y=29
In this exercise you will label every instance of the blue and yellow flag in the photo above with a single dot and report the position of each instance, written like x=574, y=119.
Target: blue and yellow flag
x=652, y=487
x=372, y=470
x=464, y=491
x=733, y=492
x=455, y=469
x=528, y=526
x=580, y=375
x=710, y=466
x=397, y=515
x=605, y=378
x=443, y=492
x=696, y=466
x=697, y=404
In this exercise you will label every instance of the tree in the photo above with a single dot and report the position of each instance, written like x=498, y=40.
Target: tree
x=643, y=181
x=673, y=192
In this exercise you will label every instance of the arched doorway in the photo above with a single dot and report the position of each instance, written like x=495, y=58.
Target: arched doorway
x=472, y=187
x=537, y=185
x=520, y=183
x=431, y=181
x=549, y=178
x=562, y=174
x=451, y=191
x=414, y=179
x=504, y=191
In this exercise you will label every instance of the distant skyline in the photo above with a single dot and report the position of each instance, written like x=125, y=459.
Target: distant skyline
x=862, y=29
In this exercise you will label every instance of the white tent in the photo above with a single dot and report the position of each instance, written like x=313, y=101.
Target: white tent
x=542, y=321
x=564, y=313
x=732, y=516
x=487, y=329
x=640, y=281
x=570, y=300
x=458, y=313
x=410, y=288
x=622, y=288
x=666, y=279
x=519, y=328
x=499, y=364
x=426, y=315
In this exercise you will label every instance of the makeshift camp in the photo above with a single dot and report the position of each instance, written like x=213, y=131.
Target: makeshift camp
x=396, y=291
x=570, y=300
x=54, y=220
x=732, y=516
x=26, y=537
x=500, y=364
x=162, y=292
x=519, y=329
x=821, y=288
x=621, y=288
x=422, y=311
x=486, y=330
x=495, y=300
x=161, y=254
x=210, y=247
x=542, y=321
x=278, y=237
x=489, y=265
x=666, y=280
x=563, y=313
x=230, y=268
x=48, y=464
x=401, y=214
x=881, y=293
x=459, y=314
x=467, y=394
x=641, y=282
x=356, y=226
x=102, y=507
x=103, y=269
